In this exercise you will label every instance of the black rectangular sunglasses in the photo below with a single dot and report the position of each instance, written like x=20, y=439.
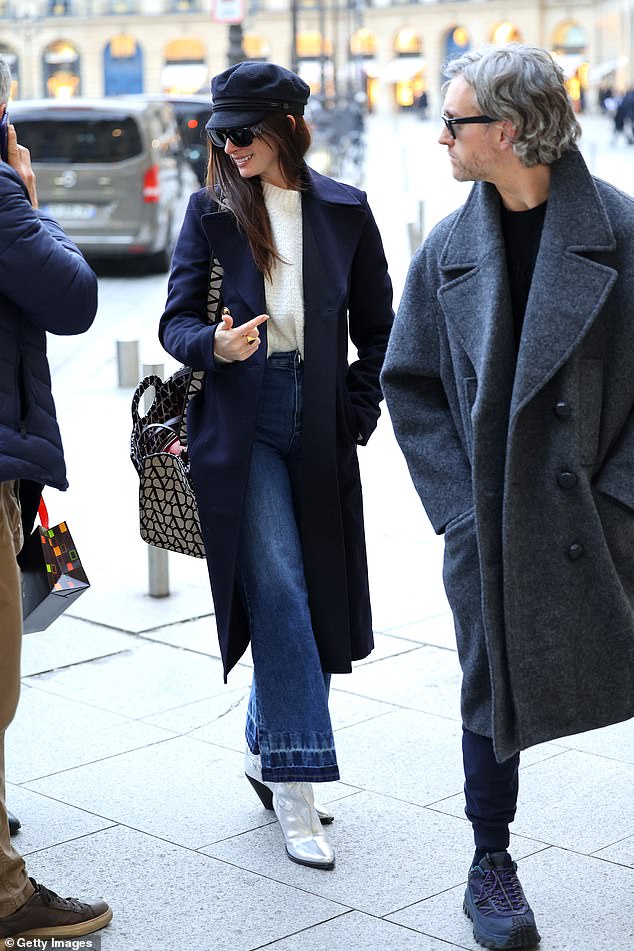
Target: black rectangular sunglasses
x=451, y=121
x=239, y=136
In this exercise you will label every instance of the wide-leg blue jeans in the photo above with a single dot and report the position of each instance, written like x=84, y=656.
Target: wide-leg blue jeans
x=288, y=721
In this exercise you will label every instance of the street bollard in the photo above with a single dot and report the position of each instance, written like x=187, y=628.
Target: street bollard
x=416, y=229
x=157, y=558
x=158, y=572
x=127, y=363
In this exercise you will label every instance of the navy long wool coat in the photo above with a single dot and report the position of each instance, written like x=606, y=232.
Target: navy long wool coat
x=346, y=291
x=528, y=466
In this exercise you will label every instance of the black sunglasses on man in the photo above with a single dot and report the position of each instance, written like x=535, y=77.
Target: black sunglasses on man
x=451, y=121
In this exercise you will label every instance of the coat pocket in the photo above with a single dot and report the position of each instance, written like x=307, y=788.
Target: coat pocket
x=590, y=401
x=24, y=404
x=617, y=522
x=470, y=389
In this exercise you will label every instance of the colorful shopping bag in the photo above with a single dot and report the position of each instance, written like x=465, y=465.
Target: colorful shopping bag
x=52, y=574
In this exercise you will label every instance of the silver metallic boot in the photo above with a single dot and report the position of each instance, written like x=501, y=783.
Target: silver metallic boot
x=253, y=772
x=306, y=843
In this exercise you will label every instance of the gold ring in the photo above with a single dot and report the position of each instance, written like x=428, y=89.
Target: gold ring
x=250, y=340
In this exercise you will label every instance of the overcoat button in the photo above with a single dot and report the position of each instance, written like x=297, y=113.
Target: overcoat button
x=562, y=409
x=575, y=551
x=567, y=480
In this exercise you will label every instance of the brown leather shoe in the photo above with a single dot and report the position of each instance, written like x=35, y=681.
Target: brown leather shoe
x=45, y=914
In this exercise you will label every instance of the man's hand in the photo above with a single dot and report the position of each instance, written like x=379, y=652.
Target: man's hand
x=237, y=343
x=19, y=158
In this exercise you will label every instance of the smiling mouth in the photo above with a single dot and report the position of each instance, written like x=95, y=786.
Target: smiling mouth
x=242, y=159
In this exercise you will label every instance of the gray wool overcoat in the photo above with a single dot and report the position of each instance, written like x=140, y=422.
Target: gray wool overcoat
x=525, y=460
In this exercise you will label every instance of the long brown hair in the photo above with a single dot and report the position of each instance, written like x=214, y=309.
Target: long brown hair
x=243, y=196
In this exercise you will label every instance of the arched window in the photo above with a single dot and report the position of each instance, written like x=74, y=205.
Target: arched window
x=505, y=32
x=408, y=42
x=185, y=70
x=363, y=43
x=256, y=46
x=62, y=77
x=569, y=37
x=123, y=66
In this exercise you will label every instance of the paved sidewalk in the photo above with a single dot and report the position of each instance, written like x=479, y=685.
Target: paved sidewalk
x=125, y=760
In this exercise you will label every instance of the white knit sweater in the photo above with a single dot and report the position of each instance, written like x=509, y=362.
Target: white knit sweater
x=284, y=293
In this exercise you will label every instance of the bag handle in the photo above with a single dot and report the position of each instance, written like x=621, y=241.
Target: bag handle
x=144, y=385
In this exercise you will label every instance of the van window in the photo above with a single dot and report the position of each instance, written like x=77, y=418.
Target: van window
x=81, y=140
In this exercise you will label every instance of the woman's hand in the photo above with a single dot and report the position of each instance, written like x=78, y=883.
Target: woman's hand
x=237, y=343
x=19, y=158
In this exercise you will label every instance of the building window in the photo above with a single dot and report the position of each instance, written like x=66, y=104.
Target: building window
x=123, y=66
x=506, y=32
x=184, y=6
x=61, y=70
x=256, y=47
x=185, y=69
x=123, y=6
x=59, y=8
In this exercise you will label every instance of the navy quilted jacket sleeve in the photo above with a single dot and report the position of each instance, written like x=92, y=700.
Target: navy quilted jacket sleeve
x=45, y=285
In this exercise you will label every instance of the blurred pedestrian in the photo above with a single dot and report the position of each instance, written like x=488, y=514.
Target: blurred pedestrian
x=627, y=114
x=422, y=103
x=510, y=381
x=45, y=285
x=273, y=436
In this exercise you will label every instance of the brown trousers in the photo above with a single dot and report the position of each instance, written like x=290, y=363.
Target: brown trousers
x=15, y=887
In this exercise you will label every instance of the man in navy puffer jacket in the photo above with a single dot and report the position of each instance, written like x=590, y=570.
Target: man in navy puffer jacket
x=45, y=285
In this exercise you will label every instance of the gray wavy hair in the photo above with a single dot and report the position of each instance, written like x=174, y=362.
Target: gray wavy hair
x=524, y=86
x=5, y=81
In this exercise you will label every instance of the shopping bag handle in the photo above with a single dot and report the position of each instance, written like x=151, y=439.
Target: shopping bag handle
x=42, y=511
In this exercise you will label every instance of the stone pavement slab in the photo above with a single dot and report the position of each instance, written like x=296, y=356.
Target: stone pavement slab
x=221, y=719
x=426, y=679
x=437, y=631
x=621, y=853
x=405, y=754
x=72, y=642
x=356, y=931
x=142, y=681
x=199, y=635
x=174, y=899
x=182, y=790
x=52, y=733
x=48, y=822
x=615, y=742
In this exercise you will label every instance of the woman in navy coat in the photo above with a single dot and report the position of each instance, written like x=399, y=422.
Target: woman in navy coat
x=273, y=435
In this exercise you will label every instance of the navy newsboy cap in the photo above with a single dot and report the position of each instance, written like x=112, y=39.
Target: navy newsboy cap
x=246, y=93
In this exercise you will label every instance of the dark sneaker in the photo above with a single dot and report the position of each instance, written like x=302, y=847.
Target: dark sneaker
x=497, y=906
x=45, y=914
x=14, y=823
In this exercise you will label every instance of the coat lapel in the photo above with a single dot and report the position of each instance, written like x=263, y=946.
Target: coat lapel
x=569, y=288
x=328, y=252
x=476, y=299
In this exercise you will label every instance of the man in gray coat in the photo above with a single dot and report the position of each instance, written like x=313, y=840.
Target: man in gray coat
x=510, y=382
